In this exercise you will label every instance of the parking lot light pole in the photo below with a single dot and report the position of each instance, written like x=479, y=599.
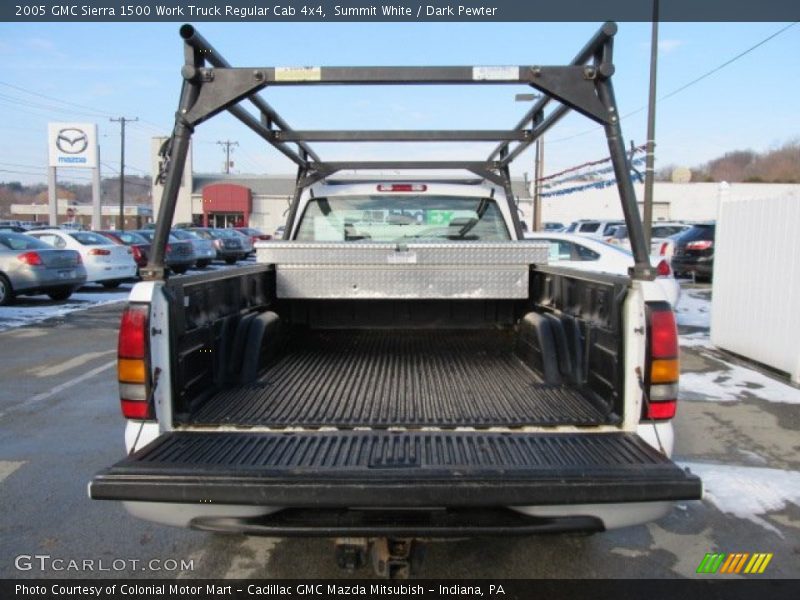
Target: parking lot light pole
x=649, y=170
x=537, y=168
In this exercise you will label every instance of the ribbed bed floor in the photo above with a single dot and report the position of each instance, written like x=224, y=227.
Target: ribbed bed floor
x=352, y=378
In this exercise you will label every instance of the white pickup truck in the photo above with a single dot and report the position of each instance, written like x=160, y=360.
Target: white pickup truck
x=403, y=364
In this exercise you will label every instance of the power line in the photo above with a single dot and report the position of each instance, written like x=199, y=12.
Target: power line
x=27, y=91
x=689, y=84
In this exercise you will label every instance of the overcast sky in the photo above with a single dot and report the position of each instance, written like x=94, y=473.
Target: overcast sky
x=132, y=70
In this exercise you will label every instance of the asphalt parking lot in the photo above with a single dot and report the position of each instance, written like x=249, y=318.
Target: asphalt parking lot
x=737, y=426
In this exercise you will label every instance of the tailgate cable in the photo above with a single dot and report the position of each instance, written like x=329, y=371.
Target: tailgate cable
x=647, y=406
x=156, y=375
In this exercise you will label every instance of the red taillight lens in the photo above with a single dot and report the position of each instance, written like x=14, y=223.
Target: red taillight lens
x=663, y=250
x=30, y=258
x=402, y=187
x=660, y=411
x=132, y=371
x=78, y=259
x=135, y=409
x=663, y=334
x=137, y=253
x=662, y=365
x=99, y=252
x=700, y=245
x=663, y=269
x=133, y=332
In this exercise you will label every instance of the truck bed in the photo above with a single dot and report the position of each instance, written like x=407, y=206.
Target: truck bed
x=411, y=378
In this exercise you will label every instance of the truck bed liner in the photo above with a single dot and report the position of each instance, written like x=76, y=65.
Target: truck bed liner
x=383, y=378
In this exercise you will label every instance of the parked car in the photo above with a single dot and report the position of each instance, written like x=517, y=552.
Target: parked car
x=255, y=234
x=106, y=263
x=660, y=232
x=139, y=245
x=246, y=241
x=593, y=227
x=581, y=252
x=204, y=251
x=180, y=254
x=31, y=266
x=694, y=252
x=553, y=226
x=228, y=244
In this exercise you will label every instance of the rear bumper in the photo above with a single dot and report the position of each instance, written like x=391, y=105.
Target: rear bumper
x=111, y=272
x=442, y=523
x=26, y=282
x=702, y=265
x=380, y=469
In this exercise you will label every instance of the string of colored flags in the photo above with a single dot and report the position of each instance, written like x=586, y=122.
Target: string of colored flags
x=552, y=186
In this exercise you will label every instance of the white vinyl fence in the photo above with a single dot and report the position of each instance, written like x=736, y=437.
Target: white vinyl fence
x=756, y=290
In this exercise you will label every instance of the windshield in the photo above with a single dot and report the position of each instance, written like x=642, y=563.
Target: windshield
x=149, y=234
x=406, y=218
x=183, y=234
x=227, y=233
x=19, y=241
x=89, y=238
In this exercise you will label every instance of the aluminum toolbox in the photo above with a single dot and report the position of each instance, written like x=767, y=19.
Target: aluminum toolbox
x=391, y=271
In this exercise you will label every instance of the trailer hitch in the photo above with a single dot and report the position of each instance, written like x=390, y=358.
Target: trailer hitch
x=391, y=558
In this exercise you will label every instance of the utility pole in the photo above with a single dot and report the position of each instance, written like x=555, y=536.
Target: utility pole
x=537, y=185
x=649, y=168
x=228, y=144
x=122, y=121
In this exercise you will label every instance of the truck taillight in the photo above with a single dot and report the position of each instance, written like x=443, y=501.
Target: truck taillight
x=132, y=371
x=662, y=364
x=402, y=187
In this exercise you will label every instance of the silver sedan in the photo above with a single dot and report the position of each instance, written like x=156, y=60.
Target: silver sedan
x=31, y=266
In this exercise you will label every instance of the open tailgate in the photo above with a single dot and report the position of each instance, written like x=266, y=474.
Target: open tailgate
x=385, y=468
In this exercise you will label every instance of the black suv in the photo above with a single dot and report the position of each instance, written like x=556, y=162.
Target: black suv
x=694, y=252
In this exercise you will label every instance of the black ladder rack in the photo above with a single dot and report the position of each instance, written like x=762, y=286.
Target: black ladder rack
x=211, y=85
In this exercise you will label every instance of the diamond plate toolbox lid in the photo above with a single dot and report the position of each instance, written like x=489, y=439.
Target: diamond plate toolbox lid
x=409, y=271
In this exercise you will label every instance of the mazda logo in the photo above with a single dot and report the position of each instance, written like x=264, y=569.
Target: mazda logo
x=72, y=140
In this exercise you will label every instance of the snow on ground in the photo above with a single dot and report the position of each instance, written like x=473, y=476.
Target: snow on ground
x=699, y=339
x=694, y=308
x=748, y=492
x=33, y=309
x=736, y=383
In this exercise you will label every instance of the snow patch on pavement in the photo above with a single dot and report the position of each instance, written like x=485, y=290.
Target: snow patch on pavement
x=699, y=339
x=694, y=309
x=748, y=492
x=736, y=384
x=33, y=309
